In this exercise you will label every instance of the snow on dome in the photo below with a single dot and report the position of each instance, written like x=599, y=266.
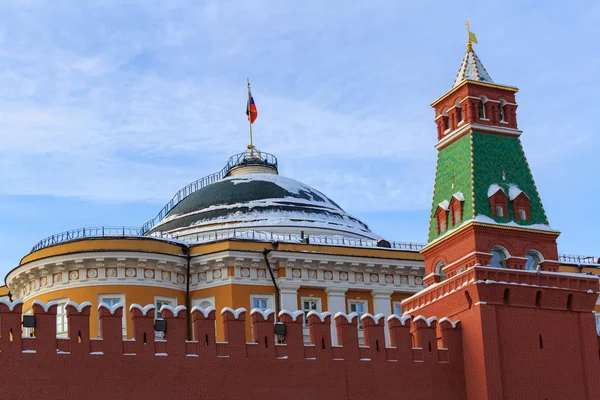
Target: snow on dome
x=264, y=202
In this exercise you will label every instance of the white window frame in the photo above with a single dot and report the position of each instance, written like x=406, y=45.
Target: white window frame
x=318, y=303
x=597, y=315
x=61, y=317
x=198, y=302
x=262, y=296
x=172, y=301
x=364, y=303
x=396, y=304
x=121, y=298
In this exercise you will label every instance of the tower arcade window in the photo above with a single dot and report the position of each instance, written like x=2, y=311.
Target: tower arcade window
x=459, y=112
x=439, y=271
x=533, y=260
x=481, y=108
x=501, y=114
x=446, y=120
x=498, y=257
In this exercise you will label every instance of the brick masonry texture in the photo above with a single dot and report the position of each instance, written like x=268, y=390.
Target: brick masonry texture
x=144, y=367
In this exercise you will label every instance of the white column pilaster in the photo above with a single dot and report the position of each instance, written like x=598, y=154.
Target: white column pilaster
x=289, y=296
x=336, y=302
x=382, y=303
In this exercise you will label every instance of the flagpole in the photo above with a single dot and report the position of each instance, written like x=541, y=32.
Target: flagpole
x=251, y=146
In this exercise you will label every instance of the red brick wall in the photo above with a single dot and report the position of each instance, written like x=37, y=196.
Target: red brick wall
x=145, y=368
x=501, y=333
x=471, y=244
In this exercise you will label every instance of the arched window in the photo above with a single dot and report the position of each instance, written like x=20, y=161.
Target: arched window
x=457, y=216
x=501, y=112
x=533, y=260
x=438, y=271
x=443, y=226
x=498, y=257
x=522, y=214
x=481, y=108
x=446, y=120
x=499, y=211
x=459, y=111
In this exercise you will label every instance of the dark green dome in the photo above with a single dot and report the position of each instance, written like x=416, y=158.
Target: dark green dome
x=260, y=201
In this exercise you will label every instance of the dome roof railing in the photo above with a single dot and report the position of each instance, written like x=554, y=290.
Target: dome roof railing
x=246, y=158
x=225, y=234
x=96, y=231
x=332, y=240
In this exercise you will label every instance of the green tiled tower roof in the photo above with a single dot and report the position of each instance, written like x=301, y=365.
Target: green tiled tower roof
x=471, y=166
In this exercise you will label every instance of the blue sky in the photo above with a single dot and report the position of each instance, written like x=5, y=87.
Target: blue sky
x=107, y=108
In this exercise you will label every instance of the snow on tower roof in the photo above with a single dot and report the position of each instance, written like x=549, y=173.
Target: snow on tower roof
x=471, y=69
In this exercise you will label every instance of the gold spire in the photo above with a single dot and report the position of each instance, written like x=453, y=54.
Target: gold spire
x=471, y=38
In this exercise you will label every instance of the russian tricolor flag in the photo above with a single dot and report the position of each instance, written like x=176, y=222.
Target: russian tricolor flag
x=251, y=110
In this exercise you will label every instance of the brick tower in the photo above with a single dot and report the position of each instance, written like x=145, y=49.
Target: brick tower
x=528, y=332
x=486, y=209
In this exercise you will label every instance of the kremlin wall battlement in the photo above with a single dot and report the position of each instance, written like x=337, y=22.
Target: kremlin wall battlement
x=113, y=367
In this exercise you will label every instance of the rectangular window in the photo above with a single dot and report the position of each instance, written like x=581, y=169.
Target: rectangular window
x=61, y=317
x=397, y=307
x=360, y=307
x=598, y=322
x=160, y=301
x=310, y=304
x=112, y=300
x=261, y=301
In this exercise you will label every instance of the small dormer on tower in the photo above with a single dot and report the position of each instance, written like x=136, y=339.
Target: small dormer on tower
x=486, y=209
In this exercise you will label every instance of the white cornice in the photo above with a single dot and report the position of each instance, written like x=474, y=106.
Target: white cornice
x=475, y=127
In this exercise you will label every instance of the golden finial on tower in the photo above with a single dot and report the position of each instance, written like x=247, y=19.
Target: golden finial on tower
x=471, y=36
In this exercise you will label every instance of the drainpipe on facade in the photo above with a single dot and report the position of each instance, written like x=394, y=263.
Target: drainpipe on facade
x=278, y=293
x=188, y=257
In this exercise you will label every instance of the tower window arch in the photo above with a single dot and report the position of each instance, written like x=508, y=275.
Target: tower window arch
x=499, y=256
x=446, y=120
x=438, y=270
x=501, y=111
x=459, y=111
x=533, y=260
x=481, y=107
